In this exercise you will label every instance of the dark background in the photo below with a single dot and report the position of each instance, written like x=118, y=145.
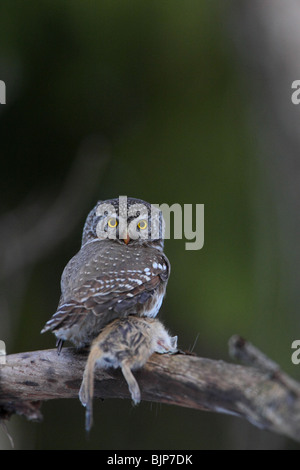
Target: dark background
x=171, y=102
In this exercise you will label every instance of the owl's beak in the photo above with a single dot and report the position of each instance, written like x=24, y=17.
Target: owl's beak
x=127, y=239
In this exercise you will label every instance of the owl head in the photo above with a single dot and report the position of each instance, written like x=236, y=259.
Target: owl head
x=125, y=220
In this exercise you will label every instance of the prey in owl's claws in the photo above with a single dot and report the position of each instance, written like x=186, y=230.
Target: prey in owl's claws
x=125, y=343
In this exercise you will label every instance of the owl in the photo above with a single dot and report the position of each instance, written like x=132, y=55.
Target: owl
x=120, y=270
x=126, y=343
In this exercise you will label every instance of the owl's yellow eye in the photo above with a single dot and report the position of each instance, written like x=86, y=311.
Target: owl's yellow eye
x=112, y=222
x=142, y=224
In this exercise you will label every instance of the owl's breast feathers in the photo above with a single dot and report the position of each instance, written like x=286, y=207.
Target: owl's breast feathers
x=104, y=281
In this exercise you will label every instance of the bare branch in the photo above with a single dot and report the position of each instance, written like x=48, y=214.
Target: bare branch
x=245, y=352
x=259, y=396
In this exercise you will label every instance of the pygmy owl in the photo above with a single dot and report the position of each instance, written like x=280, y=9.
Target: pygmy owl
x=126, y=343
x=120, y=270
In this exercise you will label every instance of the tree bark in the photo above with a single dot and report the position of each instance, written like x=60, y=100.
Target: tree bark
x=263, y=395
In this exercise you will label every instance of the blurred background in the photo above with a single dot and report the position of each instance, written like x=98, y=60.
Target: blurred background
x=170, y=102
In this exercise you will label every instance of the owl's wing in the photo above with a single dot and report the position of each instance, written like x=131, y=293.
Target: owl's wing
x=111, y=295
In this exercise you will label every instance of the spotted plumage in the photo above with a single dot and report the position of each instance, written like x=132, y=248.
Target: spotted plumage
x=118, y=271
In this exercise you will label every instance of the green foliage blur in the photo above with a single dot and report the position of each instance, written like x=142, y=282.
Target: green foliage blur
x=159, y=82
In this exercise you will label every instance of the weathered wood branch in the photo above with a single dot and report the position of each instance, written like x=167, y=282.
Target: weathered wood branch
x=263, y=395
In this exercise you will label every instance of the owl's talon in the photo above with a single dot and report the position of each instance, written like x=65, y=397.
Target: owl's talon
x=59, y=345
